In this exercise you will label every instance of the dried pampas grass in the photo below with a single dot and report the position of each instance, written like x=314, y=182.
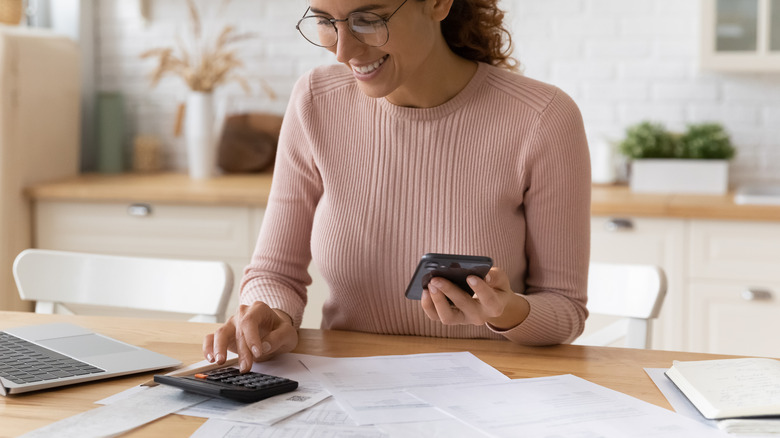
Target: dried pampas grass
x=205, y=66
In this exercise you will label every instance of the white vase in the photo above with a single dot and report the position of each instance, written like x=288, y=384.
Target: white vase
x=200, y=135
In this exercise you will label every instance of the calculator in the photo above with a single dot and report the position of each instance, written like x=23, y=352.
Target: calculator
x=229, y=383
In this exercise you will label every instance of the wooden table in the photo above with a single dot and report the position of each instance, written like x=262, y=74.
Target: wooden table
x=616, y=368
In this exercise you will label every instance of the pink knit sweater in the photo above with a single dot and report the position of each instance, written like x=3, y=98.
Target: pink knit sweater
x=365, y=188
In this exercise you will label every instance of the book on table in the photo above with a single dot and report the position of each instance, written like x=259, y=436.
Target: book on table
x=741, y=393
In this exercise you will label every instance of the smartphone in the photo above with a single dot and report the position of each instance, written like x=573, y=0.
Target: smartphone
x=453, y=267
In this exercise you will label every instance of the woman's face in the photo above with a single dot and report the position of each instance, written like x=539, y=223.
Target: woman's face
x=393, y=67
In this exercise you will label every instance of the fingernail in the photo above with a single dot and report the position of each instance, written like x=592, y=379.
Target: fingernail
x=255, y=351
x=244, y=366
x=266, y=347
x=472, y=280
x=488, y=278
x=219, y=358
x=432, y=289
x=209, y=357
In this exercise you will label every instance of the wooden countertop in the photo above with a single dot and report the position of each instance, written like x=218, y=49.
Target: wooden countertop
x=620, y=201
x=173, y=188
x=253, y=189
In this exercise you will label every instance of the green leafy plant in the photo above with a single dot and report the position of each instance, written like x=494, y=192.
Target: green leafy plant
x=700, y=141
x=649, y=140
x=707, y=141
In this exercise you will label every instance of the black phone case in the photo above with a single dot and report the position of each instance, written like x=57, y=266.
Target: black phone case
x=453, y=267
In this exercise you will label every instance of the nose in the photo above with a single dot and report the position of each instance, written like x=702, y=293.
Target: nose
x=347, y=45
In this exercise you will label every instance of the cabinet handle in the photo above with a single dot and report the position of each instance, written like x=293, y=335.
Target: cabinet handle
x=619, y=224
x=139, y=210
x=755, y=294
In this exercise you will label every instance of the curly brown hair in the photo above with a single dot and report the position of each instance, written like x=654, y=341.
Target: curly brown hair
x=474, y=30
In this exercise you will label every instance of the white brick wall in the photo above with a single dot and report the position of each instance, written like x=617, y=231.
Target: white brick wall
x=622, y=61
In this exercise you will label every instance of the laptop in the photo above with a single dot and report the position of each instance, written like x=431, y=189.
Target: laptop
x=50, y=355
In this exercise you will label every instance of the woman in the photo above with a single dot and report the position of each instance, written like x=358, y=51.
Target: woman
x=420, y=142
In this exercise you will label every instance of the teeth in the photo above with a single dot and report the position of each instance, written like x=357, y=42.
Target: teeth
x=366, y=69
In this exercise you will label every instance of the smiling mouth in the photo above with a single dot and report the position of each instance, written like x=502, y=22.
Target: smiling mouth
x=367, y=69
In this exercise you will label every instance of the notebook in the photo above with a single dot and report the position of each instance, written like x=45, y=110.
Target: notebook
x=730, y=388
x=50, y=355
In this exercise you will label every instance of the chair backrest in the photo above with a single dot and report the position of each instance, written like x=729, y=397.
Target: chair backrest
x=633, y=292
x=55, y=279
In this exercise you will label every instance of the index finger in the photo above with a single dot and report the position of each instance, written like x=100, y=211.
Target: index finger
x=255, y=326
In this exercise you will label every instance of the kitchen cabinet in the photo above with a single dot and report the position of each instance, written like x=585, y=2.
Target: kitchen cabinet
x=733, y=287
x=654, y=241
x=740, y=35
x=155, y=229
x=723, y=279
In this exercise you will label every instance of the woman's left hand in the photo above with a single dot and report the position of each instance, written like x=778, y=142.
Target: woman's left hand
x=493, y=302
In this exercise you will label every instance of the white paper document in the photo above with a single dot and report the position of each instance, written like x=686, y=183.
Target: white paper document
x=268, y=411
x=565, y=406
x=120, y=416
x=371, y=389
x=324, y=420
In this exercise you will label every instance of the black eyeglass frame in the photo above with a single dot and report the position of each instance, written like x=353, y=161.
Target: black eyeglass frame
x=333, y=22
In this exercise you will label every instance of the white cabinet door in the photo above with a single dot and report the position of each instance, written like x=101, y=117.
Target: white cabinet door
x=736, y=250
x=725, y=318
x=152, y=229
x=734, y=287
x=659, y=242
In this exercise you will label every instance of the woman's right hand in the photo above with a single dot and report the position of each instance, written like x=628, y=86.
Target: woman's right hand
x=255, y=332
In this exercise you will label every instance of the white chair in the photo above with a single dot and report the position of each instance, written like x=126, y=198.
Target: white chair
x=633, y=292
x=173, y=288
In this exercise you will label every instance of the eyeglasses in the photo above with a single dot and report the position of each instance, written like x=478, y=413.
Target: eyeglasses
x=368, y=27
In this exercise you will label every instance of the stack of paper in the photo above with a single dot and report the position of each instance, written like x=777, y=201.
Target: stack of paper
x=455, y=395
x=448, y=395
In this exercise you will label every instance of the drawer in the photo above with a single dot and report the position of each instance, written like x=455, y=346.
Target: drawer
x=163, y=230
x=636, y=240
x=725, y=319
x=735, y=250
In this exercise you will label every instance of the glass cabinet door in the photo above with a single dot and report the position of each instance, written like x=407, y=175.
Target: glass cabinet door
x=736, y=28
x=740, y=35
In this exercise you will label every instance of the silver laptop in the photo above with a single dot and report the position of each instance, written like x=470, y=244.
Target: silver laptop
x=50, y=355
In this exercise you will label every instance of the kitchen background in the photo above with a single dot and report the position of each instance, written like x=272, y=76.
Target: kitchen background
x=621, y=61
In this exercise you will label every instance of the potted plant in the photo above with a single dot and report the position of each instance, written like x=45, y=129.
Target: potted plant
x=695, y=161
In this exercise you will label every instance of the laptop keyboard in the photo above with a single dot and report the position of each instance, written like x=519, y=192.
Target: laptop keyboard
x=22, y=361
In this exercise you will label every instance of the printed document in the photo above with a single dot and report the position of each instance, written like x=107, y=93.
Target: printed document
x=371, y=389
x=326, y=420
x=566, y=406
x=120, y=416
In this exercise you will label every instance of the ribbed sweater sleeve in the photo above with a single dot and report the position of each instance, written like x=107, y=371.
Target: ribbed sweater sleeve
x=364, y=188
x=556, y=170
x=278, y=272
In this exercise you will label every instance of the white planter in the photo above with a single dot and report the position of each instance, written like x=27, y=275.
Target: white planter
x=199, y=135
x=680, y=176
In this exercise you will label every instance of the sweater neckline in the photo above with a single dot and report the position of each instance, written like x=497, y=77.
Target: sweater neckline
x=444, y=109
